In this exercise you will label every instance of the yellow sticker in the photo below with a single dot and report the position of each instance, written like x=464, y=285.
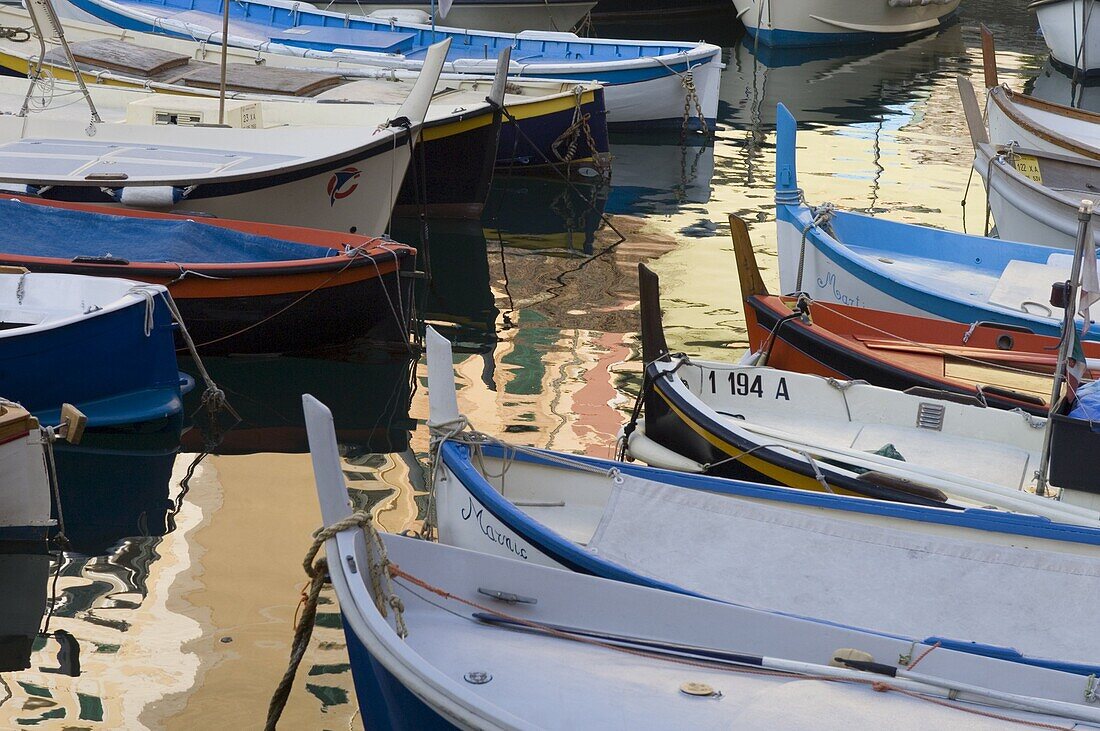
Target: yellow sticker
x=1028, y=166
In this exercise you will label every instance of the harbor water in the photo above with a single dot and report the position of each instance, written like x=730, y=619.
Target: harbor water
x=184, y=570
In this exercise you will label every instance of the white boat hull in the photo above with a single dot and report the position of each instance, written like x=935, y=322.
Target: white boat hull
x=1070, y=41
x=504, y=17
x=820, y=22
x=464, y=522
x=1027, y=212
x=662, y=99
x=24, y=481
x=824, y=280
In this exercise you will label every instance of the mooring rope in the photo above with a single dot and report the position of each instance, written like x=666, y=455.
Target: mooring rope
x=317, y=571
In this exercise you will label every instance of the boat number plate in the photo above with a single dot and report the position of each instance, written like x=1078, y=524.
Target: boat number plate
x=1028, y=166
x=741, y=383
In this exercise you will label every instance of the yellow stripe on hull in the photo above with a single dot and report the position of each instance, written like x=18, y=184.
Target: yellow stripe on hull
x=781, y=475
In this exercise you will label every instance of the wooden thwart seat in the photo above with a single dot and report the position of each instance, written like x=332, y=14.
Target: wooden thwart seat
x=115, y=55
x=261, y=79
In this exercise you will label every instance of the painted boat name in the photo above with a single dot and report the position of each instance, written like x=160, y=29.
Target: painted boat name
x=829, y=282
x=493, y=533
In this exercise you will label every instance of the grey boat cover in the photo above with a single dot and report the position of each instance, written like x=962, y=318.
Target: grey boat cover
x=815, y=563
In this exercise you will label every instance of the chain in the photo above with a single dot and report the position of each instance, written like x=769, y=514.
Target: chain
x=691, y=99
x=15, y=35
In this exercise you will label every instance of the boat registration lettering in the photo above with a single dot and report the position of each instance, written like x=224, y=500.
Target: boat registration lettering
x=1028, y=166
x=742, y=384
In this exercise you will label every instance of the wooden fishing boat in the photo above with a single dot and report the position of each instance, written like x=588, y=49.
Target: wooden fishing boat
x=346, y=179
x=1068, y=29
x=505, y=16
x=450, y=177
x=815, y=433
x=1033, y=195
x=635, y=524
x=539, y=127
x=241, y=287
x=1032, y=122
x=998, y=365
x=485, y=642
x=647, y=82
x=821, y=22
x=103, y=344
x=864, y=261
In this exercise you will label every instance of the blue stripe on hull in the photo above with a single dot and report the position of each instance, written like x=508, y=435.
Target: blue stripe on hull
x=386, y=704
x=802, y=39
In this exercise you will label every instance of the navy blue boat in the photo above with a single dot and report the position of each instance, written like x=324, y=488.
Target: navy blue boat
x=105, y=345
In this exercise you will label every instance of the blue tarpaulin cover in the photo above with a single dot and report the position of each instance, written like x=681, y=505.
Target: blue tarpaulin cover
x=1087, y=405
x=33, y=230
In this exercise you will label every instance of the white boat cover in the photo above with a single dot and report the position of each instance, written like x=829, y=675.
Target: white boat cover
x=877, y=577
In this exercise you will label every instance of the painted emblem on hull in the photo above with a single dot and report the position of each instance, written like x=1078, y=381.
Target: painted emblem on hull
x=342, y=184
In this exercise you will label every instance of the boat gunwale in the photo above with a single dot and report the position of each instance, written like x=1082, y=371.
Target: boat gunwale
x=381, y=250
x=847, y=345
x=129, y=298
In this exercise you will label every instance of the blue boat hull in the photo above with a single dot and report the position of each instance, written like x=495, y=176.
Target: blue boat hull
x=851, y=259
x=384, y=703
x=529, y=143
x=105, y=365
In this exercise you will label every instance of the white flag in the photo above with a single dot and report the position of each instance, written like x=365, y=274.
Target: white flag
x=444, y=7
x=1090, y=280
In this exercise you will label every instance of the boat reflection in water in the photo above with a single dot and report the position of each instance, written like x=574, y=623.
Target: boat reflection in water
x=369, y=389
x=830, y=85
x=658, y=174
x=456, y=297
x=551, y=215
x=1052, y=85
x=115, y=486
x=23, y=579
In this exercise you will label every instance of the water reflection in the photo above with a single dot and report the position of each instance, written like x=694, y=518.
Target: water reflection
x=656, y=174
x=116, y=486
x=835, y=85
x=1052, y=85
x=23, y=578
x=368, y=391
x=545, y=214
x=457, y=298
